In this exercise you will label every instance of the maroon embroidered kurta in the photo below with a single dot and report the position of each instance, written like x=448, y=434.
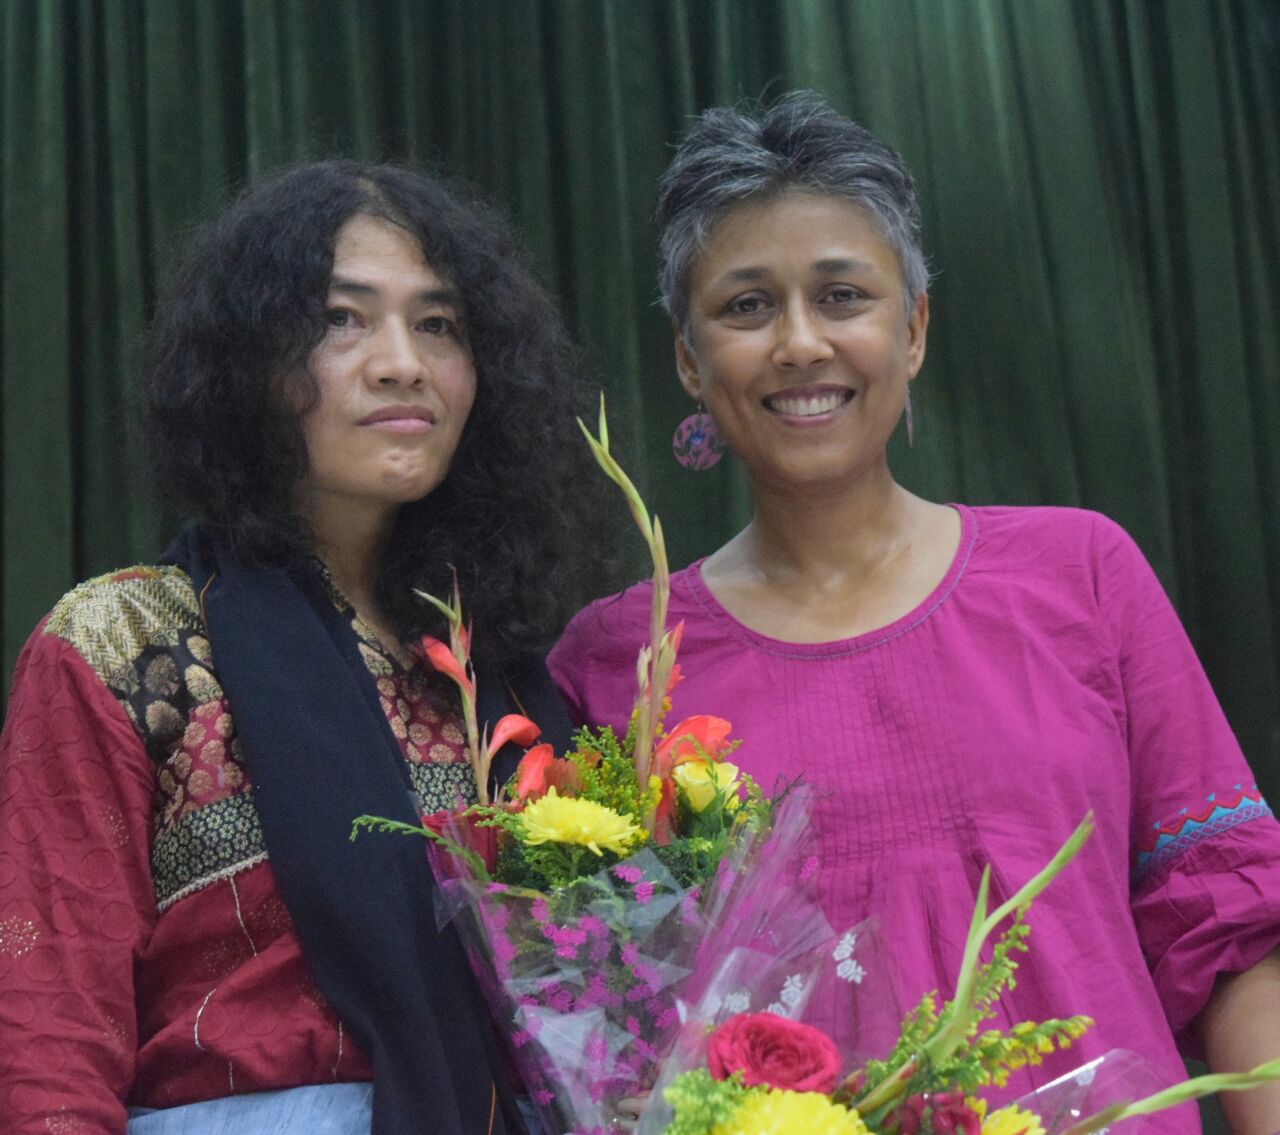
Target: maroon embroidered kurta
x=145, y=954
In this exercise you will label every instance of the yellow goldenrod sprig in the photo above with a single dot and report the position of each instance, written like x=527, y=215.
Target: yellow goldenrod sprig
x=956, y=1023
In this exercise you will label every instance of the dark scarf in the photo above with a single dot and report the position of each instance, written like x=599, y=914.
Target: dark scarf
x=320, y=752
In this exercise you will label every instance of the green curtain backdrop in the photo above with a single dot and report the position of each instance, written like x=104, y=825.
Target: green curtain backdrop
x=1101, y=181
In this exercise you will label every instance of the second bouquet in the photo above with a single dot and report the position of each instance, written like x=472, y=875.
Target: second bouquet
x=587, y=888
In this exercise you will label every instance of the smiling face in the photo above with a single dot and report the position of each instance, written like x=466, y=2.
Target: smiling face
x=799, y=341
x=394, y=376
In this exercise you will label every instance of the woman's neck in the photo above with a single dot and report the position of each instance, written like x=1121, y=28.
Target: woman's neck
x=350, y=543
x=797, y=535
x=827, y=567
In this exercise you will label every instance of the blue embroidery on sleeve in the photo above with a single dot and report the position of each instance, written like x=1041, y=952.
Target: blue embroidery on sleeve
x=1219, y=812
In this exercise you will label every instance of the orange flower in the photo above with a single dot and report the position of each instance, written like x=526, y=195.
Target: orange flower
x=532, y=771
x=539, y=770
x=696, y=738
x=513, y=727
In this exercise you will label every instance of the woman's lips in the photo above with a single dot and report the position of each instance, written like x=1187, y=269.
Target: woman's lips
x=400, y=419
x=401, y=425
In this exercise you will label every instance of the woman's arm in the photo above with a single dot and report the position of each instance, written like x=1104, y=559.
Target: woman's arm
x=1240, y=1028
x=75, y=896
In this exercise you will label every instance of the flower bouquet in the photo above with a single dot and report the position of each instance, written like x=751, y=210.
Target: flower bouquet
x=767, y=1072
x=586, y=890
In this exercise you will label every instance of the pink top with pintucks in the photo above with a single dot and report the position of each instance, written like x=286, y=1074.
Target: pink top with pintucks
x=1046, y=675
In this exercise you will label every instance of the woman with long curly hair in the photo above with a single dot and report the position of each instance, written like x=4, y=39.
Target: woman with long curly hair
x=355, y=386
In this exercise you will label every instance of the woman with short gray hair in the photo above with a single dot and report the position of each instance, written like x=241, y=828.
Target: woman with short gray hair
x=960, y=684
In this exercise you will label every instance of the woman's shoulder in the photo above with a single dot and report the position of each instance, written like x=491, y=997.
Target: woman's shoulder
x=1033, y=531
x=614, y=618
x=113, y=619
x=1044, y=522
x=619, y=617
x=1061, y=553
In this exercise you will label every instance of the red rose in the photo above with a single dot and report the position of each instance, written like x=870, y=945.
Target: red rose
x=947, y=1113
x=772, y=1052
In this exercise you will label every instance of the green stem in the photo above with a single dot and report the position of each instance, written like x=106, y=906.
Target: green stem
x=653, y=683
x=1180, y=1093
x=379, y=823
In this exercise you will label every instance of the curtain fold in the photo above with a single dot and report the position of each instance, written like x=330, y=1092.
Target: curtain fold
x=1101, y=181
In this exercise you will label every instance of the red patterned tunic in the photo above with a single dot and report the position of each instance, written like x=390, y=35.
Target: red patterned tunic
x=145, y=954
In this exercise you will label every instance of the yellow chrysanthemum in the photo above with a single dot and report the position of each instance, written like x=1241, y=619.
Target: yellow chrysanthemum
x=777, y=1112
x=1012, y=1120
x=566, y=819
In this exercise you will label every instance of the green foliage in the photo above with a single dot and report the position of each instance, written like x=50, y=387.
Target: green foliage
x=917, y=1027
x=382, y=824
x=701, y=1103
x=608, y=773
x=922, y=1065
x=998, y=974
x=994, y=1054
x=692, y=859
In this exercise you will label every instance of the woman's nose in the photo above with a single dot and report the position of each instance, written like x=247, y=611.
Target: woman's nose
x=394, y=359
x=801, y=340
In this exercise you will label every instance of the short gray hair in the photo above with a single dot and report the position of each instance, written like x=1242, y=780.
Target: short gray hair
x=732, y=155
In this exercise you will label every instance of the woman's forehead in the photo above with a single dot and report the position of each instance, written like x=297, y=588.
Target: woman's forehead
x=821, y=233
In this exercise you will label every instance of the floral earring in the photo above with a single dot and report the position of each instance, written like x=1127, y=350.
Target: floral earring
x=697, y=443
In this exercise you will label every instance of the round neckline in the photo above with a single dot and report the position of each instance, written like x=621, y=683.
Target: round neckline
x=868, y=640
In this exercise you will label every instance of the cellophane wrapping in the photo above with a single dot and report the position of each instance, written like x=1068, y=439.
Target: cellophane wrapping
x=593, y=981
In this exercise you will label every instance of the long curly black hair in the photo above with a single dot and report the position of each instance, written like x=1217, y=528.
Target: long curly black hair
x=225, y=369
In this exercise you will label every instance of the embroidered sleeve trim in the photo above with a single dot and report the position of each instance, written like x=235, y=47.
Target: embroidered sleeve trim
x=1219, y=812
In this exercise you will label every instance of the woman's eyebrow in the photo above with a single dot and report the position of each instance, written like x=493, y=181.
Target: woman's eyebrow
x=744, y=275
x=750, y=274
x=840, y=264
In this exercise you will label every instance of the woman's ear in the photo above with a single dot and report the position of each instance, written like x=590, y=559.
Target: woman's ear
x=687, y=367
x=917, y=332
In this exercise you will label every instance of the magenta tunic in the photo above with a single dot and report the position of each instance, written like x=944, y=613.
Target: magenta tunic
x=1046, y=675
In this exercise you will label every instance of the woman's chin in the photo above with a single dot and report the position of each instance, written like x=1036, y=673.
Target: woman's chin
x=405, y=485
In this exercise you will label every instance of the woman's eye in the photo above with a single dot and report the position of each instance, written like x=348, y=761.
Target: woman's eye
x=338, y=317
x=746, y=305
x=437, y=325
x=843, y=295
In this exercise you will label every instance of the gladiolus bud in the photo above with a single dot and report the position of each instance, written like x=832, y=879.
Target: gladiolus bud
x=513, y=727
x=441, y=657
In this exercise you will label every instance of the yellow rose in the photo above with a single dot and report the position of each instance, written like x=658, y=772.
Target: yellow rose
x=702, y=781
